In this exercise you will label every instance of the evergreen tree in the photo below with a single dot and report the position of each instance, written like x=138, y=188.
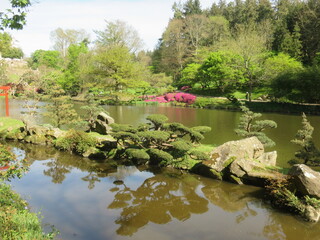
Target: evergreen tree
x=192, y=7
x=249, y=126
x=308, y=152
x=60, y=109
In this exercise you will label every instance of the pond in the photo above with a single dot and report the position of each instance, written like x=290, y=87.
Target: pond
x=222, y=123
x=86, y=199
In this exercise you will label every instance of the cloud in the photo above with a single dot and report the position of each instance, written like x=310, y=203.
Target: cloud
x=148, y=17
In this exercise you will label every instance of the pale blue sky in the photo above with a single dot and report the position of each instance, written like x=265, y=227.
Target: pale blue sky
x=148, y=17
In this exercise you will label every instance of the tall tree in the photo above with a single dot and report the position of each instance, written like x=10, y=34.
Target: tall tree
x=15, y=17
x=222, y=70
x=175, y=48
x=251, y=45
x=119, y=33
x=115, y=70
x=192, y=7
x=7, y=50
x=72, y=71
x=63, y=38
x=309, y=18
x=196, y=30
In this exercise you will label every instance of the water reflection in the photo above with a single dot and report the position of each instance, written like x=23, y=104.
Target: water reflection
x=98, y=200
x=158, y=200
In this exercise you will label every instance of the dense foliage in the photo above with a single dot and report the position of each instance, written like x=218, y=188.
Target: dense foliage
x=159, y=142
x=15, y=17
x=308, y=152
x=260, y=49
x=249, y=126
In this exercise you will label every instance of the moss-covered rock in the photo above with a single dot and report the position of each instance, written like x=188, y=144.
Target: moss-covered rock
x=37, y=139
x=139, y=156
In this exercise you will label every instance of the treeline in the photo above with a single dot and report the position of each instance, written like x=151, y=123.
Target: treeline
x=112, y=66
x=242, y=48
x=242, y=45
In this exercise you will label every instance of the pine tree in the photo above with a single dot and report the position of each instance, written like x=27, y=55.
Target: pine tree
x=303, y=138
x=249, y=126
x=60, y=110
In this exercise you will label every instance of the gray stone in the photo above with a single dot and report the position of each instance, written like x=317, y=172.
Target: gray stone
x=102, y=127
x=104, y=117
x=101, y=124
x=312, y=214
x=269, y=158
x=222, y=156
x=306, y=180
x=252, y=172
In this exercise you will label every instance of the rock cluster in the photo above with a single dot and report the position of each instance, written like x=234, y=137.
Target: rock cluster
x=243, y=161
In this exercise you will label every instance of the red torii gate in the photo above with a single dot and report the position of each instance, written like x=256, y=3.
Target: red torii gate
x=5, y=93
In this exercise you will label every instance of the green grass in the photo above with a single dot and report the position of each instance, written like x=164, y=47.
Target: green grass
x=16, y=222
x=9, y=124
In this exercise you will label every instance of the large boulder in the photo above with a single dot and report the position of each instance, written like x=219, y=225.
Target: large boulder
x=306, y=180
x=105, y=118
x=243, y=161
x=223, y=155
x=102, y=123
x=251, y=172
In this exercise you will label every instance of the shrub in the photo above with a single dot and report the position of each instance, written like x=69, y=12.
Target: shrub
x=249, y=126
x=159, y=157
x=158, y=120
x=76, y=141
x=137, y=154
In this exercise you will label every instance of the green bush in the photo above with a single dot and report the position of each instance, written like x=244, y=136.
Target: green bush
x=76, y=141
x=137, y=154
x=159, y=157
x=16, y=222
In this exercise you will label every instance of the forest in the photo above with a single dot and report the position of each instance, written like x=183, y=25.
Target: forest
x=266, y=49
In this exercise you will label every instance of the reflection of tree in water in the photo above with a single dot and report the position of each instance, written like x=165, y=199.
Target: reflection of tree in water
x=56, y=170
x=91, y=178
x=157, y=200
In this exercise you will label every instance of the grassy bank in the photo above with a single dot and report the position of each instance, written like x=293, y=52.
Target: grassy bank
x=16, y=221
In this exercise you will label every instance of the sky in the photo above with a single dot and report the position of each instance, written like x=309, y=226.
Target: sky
x=148, y=17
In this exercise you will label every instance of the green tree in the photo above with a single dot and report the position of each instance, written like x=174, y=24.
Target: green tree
x=119, y=34
x=291, y=43
x=251, y=44
x=6, y=47
x=115, y=70
x=222, y=70
x=192, y=7
x=15, y=17
x=63, y=38
x=308, y=152
x=175, y=48
x=189, y=75
x=47, y=58
x=71, y=82
x=279, y=64
x=60, y=109
x=249, y=126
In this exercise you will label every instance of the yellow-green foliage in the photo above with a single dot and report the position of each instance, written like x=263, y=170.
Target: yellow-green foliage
x=137, y=154
x=159, y=157
x=76, y=141
x=16, y=222
x=9, y=124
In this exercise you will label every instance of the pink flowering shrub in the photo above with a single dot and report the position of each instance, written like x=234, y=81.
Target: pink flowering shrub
x=169, y=97
x=188, y=98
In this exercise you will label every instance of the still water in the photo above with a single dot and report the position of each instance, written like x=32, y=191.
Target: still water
x=90, y=200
